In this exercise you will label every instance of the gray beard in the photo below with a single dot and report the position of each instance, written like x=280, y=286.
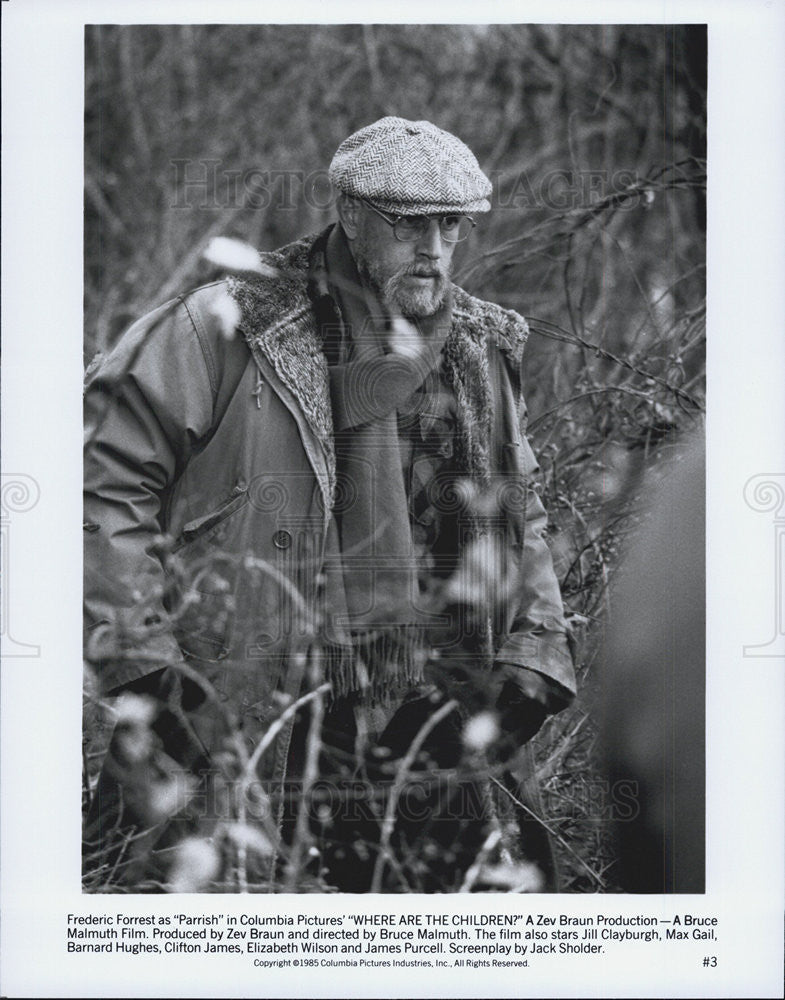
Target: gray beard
x=408, y=301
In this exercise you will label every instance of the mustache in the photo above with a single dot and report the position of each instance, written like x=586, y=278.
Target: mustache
x=422, y=271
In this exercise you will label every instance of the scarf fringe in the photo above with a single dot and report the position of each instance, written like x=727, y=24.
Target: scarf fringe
x=398, y=655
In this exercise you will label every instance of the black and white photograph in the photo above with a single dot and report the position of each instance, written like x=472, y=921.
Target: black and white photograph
x=355, y=504
x=404, y=634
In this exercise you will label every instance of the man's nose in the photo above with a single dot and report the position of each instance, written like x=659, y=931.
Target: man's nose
x=430, y=243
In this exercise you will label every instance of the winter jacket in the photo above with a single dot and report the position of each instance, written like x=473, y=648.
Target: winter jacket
x=209, y=481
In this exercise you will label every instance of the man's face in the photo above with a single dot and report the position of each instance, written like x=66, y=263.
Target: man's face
x=411, y=278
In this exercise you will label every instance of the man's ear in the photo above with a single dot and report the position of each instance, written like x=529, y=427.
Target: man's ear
x=349, y=213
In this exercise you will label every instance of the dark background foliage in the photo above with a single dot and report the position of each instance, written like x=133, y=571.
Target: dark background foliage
x=594, y=137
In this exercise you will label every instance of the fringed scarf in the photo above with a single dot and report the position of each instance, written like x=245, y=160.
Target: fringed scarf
x=369, y=386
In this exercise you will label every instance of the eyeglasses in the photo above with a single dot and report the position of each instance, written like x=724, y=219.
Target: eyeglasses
x=408, y=228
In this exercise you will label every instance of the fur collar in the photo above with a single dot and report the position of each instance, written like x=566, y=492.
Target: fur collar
x=278, y=322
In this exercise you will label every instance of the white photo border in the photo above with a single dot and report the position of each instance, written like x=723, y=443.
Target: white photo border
x=42, y=71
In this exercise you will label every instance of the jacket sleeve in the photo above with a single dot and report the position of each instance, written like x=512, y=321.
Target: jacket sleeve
x=146, y=407
x=538, y=638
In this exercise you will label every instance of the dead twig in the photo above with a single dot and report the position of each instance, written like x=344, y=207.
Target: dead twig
x=395, y=792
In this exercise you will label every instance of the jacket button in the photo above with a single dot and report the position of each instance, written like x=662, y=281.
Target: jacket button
x=282, y=539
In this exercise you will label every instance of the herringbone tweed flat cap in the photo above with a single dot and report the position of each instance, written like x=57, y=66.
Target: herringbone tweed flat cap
x=410, y=168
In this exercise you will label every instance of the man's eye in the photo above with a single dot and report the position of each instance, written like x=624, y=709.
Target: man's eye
x=413, y=225
x=451, y=221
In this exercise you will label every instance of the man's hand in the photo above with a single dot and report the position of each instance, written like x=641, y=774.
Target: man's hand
x=520, y=715
x=525, y=701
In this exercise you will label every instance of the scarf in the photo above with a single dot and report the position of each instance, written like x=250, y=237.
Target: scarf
x=369, y=387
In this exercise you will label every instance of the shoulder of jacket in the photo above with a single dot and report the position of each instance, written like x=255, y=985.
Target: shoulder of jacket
x=504, y=328
x=206, y=319
x=226, y=313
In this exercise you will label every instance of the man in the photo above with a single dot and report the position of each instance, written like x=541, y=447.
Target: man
x=339, y=495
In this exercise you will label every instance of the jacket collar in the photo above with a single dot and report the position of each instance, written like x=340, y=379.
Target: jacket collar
x=278, y=324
